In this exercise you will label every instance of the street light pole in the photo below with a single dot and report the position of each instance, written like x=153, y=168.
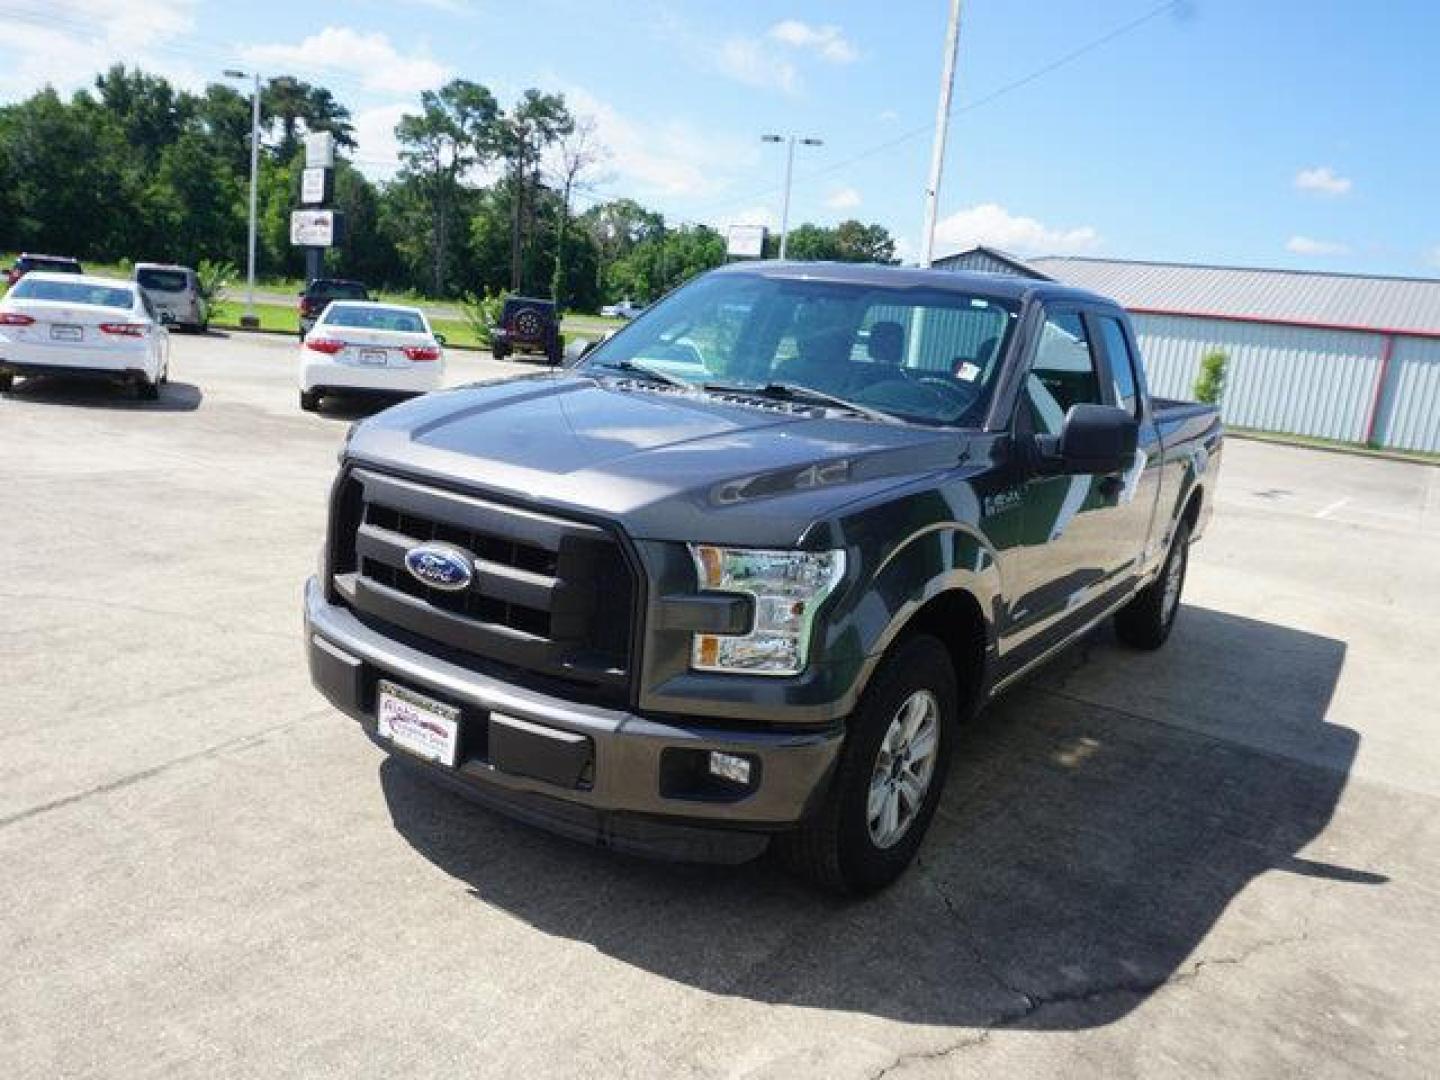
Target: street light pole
x=790, y=141
x=250, y=318
x=942, y=125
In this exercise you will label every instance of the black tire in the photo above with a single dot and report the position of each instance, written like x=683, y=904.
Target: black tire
x=555, y=353
x=835, y=848
x=1146, y=621
x=310, y=400
x=499, y=352
x=147, y=391
x=7, y=383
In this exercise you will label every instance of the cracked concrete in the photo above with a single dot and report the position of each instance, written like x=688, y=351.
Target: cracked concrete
x=1219, y=859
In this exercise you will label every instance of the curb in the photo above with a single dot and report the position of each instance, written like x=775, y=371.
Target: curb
x=1280, y=439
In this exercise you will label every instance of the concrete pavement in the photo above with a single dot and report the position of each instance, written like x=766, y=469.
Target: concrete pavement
x=1218, y=859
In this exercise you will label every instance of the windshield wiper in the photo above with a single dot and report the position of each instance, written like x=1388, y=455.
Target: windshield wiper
x=638, y=367
x=797, y=392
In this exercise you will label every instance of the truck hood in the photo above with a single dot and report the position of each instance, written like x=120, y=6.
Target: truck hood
x=664, y=464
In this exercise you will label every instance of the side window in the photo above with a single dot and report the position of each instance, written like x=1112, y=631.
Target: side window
x=1122, y=363
x=1064, y=373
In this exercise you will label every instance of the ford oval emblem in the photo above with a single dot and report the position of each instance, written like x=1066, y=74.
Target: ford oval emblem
x=440, y=567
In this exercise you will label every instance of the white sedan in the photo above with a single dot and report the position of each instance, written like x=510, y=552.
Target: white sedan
x=368, y=347
x=78, y=325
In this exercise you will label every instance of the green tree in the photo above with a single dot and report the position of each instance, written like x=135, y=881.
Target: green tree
x=1210, y=385
x=288, y=103
x=455, y=131
x=579, y=152
x=534, y=124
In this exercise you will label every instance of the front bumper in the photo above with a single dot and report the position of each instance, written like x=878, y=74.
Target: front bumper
x=624, y=803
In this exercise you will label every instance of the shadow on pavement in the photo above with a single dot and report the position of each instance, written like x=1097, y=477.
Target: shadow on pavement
x=1082, y=852
x=356, y=405
x=84, y=393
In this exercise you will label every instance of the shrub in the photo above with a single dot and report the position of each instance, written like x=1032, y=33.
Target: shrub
x=212, y=277
x=482, y=313
x=1210, y=386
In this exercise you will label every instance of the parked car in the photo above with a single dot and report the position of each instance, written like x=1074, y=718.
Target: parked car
x=77, y=325
x=530, y=326
x=689, y=615
x=367, y=347
x=320, y=292
x=175, y=291
x=50, y=264
x=625, y=309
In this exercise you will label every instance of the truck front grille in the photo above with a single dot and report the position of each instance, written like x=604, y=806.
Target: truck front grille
x=552, y=600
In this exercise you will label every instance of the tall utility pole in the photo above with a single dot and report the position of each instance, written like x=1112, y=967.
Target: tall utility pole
x=250, y=318
x=790, y=141
x=942, y=125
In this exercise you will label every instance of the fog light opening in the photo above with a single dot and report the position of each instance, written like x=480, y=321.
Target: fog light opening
x=731, y=767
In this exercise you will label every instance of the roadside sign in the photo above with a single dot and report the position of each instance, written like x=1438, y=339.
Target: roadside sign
x=320, y=150
x=312, y=186
x=745, y=241
x=314, y=228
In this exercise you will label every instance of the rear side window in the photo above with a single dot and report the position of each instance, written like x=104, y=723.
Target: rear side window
x=163, y=280
x=1063, y=374
x=1122, y=363
x=74, y=293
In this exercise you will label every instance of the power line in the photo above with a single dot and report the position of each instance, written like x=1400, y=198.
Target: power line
x=980, y=102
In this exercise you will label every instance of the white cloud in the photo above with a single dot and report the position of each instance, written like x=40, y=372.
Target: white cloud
x=47, y=46
x=1322, y=180
x=665, y=159
x=370, y=58
x=1308, y=246
x=750, y=62
x=845, y=198
x=828, y=42
x=992, y=224
x=377, y=152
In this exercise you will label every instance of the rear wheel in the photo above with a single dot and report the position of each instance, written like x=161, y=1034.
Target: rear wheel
x=1146, y=621
x=7, y=383
x=310, y=400
x=889, y=779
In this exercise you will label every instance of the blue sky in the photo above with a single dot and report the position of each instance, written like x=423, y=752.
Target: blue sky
x=1283, y=133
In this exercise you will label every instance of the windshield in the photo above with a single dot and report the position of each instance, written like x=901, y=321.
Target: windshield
x=923, y=354
x=162, y=280
x=374, y=318
x=73, y=293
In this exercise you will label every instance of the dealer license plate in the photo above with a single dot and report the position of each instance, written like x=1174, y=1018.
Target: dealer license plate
x=373, y=356
x=425, y=727
x=67, y=332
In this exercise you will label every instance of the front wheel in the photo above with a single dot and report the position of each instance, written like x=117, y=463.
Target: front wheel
x=7, y=383
x=889, y=779
x=1146, y=621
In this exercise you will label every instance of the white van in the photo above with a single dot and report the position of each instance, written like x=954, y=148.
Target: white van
x=175, y=292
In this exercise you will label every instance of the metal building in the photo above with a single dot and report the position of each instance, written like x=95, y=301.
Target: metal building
x=1337, y=356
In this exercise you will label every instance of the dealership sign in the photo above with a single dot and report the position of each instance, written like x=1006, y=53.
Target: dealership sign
x=314, y=228
x=746, y=242
x=312, y=186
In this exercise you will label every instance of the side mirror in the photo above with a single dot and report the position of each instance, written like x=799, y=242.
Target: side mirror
x=1096, y=440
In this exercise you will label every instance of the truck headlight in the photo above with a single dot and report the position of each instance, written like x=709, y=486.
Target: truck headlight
x=788, y=588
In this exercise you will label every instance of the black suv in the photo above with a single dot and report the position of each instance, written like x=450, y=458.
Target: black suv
x=528, y=325
x=51, y=264
x=320, y=292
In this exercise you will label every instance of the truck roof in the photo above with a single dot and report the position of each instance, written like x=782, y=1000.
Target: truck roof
x=996, y=285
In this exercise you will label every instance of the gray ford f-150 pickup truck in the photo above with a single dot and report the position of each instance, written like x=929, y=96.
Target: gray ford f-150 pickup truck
x=735, y=577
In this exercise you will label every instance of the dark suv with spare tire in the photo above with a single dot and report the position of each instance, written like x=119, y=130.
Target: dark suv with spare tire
x=529, y=326
x=738, y=576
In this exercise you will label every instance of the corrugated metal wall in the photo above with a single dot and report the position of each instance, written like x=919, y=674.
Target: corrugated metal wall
x=1409, y=416
x=1281, y=378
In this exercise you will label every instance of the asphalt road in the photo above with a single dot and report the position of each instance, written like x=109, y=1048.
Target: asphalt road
x=1219, y=859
